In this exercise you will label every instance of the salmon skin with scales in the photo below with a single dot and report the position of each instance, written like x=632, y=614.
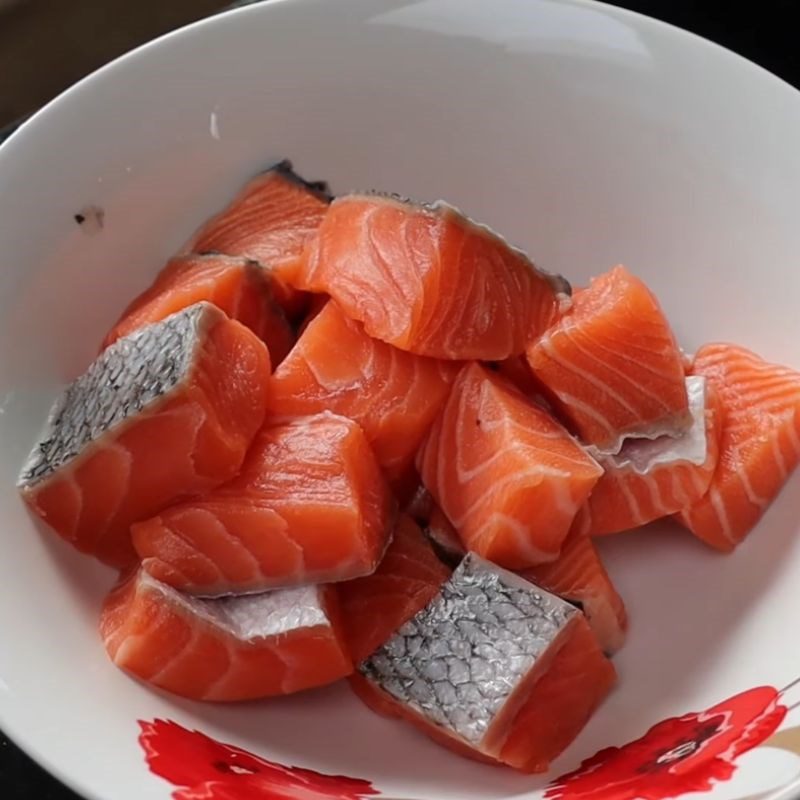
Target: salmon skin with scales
x=270, y=221
x=611, y=366
x=579, y=576
x=493, y=667
x=310, y=505
x=161, y=414
x=238, y=286
x=506, y=474
x=654, y=478
x=406, y=580
x=426, y=279
x=759, y=446
x=235, y=648
x=393, y=395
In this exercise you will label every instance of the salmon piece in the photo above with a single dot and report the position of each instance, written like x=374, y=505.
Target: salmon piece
x=162, y=414
x=654, y=478
x=561, y=704
x=384, y=704
x=490, y=628
x=241, y=288
x=234, y=648
x=269, y=221
x=393, y=395
x=579, y=576
x=428, y=280
x=310, y=505
x=506, y=474
x=375, y=606
x=611, y=366
x=759, y=446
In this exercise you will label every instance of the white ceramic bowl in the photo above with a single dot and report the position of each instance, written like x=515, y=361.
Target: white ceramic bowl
x=587, y=135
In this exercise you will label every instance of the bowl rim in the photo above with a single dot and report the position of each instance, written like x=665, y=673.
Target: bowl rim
x=28, y=744
x=258, y=7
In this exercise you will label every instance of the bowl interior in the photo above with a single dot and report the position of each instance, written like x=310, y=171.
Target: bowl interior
x=586, y=135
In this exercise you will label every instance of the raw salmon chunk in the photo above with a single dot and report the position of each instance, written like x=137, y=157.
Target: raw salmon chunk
x=494, y=667
x=561, y=703
x=428, y=280
x=760, y=444
x=241, y=288
x=163, y=413
x=653, y=478
x=578, y=576
x=611, y=365
x=393, y=395
x=407, y=579
x=270, y=221
x=505, y=473
x=234, y=648
x=310, y=505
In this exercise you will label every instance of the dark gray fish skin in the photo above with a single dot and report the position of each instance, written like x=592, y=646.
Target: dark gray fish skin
x=286, y=168
x=458, y=661
x=131, y=374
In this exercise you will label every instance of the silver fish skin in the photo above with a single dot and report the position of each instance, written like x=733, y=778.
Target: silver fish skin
x=133, y=373
x=254, y=616
x=691, y=447
x=459, y=660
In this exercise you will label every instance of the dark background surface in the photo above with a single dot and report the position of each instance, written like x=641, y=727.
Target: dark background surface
x=45, y=45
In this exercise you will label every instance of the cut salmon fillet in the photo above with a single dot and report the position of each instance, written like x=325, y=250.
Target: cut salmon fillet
x=238, y=286
x=162, y=414
x=654, y=478
x=393, y=395
x=561, y=703
x=579, y=576
x=759, y=447
x=407, y=579
x=235, y=648
x=611, y=366
x=310, y=505
x=505, y=473
x=428, y=280
x=270, y=221
x=490, y=628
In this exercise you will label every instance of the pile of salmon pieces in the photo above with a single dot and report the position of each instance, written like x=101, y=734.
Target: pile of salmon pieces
x=366, y=438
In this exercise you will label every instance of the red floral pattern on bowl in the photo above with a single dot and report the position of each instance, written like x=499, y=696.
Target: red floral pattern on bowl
x=679, y=755
x=209, y=770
